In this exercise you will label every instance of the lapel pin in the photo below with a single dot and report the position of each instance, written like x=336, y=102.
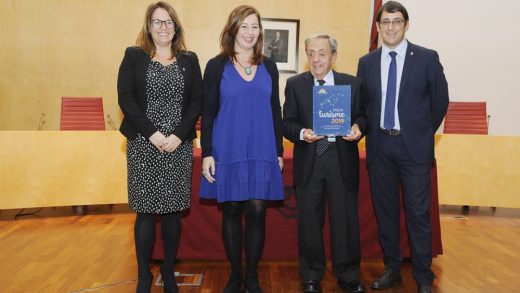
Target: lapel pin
x=411, y=53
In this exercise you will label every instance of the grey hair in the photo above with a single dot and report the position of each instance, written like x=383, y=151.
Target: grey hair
x=332, y=41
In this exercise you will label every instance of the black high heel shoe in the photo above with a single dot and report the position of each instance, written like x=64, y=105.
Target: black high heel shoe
x=252, y=284
x=169, y=282
x=234, y=284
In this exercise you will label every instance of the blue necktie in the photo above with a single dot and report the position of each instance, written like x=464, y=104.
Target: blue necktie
x=389, y=122
x=323, y=144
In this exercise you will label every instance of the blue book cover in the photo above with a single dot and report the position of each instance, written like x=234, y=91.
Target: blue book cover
x=331, y=110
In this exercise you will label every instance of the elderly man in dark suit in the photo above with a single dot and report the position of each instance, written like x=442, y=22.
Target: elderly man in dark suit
x=324, y=166
x=407, y=97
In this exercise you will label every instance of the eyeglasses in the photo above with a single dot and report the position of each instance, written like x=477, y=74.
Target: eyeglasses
x=398, y=22
x=156, y=23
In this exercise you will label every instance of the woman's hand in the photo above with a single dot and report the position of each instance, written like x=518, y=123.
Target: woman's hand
x=208, y=169
x=157, y=139
x=170, y=144
x=280, y=163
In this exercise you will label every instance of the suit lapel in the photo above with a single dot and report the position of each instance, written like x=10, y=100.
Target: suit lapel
x=308, y=83
x=337, y=79
x=376, y=65
x=407, y=67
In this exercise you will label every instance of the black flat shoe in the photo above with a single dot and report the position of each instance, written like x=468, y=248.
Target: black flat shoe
x=311, y=286
x=354, y=286
x=387, y=280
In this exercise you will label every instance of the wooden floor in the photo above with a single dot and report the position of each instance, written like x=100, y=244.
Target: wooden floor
x=58, y=251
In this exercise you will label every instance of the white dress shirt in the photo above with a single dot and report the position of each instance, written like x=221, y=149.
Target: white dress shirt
x=385, y=65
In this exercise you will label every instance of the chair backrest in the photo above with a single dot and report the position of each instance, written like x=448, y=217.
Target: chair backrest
x=82, y=113
x=466, y=118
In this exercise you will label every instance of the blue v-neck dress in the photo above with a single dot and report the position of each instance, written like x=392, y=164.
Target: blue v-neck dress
x=243, y=141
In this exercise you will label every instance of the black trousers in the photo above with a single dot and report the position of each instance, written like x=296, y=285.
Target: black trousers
x=326, y=185
x=390, y=169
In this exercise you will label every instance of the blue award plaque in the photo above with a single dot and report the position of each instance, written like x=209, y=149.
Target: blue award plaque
x=331, y=110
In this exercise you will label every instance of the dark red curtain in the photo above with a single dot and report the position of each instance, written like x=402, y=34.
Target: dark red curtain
x=373, y=32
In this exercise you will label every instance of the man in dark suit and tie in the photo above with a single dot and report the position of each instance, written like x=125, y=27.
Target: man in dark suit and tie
x=406, y=96
x=324, y=166
x=276, y=46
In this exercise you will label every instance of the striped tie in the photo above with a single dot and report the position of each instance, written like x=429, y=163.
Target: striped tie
x=323, y=144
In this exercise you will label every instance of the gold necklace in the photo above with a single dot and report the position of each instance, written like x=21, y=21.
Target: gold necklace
x=247, y=70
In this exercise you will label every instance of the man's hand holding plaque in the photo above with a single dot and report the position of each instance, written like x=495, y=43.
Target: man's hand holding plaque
x=310, y=137
x=355, y=133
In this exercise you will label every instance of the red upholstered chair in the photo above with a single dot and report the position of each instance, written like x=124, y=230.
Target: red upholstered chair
x=82, y=113
x=466, y=118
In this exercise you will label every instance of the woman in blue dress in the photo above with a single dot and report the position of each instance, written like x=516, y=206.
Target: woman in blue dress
x=242, y=141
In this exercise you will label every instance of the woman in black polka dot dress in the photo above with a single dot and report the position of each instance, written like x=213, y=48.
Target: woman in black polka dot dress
x=160, y=94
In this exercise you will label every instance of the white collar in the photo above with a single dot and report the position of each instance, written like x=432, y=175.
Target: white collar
x=400, y=49
x=328, y=78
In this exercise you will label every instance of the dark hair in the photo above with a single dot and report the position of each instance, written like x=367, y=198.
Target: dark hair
x=230, y=31
x=144, y=39
x=392, y=7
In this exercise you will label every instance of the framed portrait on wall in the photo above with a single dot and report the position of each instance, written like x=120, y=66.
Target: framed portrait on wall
x=281, y=37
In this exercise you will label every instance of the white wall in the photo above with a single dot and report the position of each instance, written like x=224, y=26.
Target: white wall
x=479, y=46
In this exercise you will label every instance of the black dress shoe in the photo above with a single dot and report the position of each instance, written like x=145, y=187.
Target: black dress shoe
x=387, y=280
x=425, y=289
x=354, y=286
x=311, y=286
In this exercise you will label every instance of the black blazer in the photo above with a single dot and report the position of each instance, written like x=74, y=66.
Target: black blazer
x=131, y=88
x=297, y=114
x=423, y=99
x=212, y=77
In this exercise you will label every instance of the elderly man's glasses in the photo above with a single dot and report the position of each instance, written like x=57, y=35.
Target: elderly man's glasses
x=395, y=22
x=156, y=23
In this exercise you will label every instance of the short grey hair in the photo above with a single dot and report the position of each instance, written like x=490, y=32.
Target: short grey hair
x=332, y=41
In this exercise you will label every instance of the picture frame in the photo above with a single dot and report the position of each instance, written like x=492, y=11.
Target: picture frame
x=281, y=42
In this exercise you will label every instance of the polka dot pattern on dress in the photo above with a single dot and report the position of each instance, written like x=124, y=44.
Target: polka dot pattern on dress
x=160, y=183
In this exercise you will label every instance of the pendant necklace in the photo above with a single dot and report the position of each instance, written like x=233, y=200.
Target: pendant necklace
x=247, y=70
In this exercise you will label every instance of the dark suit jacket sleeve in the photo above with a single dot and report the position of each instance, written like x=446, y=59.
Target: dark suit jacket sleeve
x=291, y=126
x=363, y=98
x=358, y=108
x=210, y=106
x=128, y=96
x=275, y=105
x=439, y=90
x=193, y=103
